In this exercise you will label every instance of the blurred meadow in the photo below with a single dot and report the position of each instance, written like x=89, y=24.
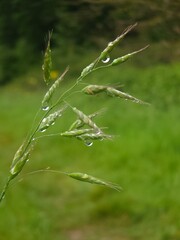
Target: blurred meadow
x=143, y=157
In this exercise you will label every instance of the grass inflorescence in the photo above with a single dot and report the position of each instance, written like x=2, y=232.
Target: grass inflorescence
x=52, y=109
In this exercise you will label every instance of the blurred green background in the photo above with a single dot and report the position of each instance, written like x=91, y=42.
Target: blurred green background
x=144, y=155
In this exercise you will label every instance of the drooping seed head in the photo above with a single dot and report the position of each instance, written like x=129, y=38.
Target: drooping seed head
x=116, y=93
x=93, y=180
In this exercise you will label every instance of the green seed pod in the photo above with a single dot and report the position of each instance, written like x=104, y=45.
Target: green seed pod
x=50, y=120
x=84, y=118
x=18, y=154
x=75, y=133
x=18, y=166
x=47, y=65
x=116, y=93
x=76, y=125
x=79, y=123
x=94, y=136
x=94, y=89
x=114, y=43
x=87, y=69
x=90, y=179
x=52, y=89
x=125, y=58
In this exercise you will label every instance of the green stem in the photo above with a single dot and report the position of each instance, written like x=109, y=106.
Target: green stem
x=5, y=188
x=33, y=132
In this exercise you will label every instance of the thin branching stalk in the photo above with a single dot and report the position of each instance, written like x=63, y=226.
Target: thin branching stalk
x=84, y=127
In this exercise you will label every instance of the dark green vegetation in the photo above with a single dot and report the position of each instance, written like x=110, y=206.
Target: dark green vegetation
x=24, y=26
x=143, y=158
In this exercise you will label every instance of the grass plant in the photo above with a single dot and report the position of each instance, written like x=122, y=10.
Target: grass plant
x=53, y=108
x=143, y=158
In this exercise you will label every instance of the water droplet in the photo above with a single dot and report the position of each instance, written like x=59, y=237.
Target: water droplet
x=45, y=108
x=88, y=144
x=43, y=130
x=44, y=120
x=106, y=60
x=52, y=123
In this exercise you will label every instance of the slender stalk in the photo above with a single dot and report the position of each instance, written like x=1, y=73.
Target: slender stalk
x=5, y=189
x=47, y=119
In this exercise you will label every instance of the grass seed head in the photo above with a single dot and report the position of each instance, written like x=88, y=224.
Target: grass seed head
x=47, y=65
x=94, y=136
x=75, y=133
x=50, y=120
x=84, y=118
x=18, y=155
x=18, y=166
x=90, y=179
x=124, y=58
x=52, y=89
x=87, y=69
x=79, y=123
x=114, y=43
x=94, y=89
x=116, y=93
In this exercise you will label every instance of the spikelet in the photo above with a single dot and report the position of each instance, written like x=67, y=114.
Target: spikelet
x=126, y=57
x=50, y=120
x=88, y=69
x=18, y=154
x=94, y=89
x=75, y=133
x=116, y=93
x=79, y=123
x=18, y=166
x=47, y=65
x=94, y=136
x=50, y=92
x=86, y=120
x=90, y=179
x=114, y=43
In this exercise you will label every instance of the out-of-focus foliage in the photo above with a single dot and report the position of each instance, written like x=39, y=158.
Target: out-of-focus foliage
x=25, y=25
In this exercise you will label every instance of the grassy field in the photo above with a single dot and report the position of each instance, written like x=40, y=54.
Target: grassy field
x=143, y=158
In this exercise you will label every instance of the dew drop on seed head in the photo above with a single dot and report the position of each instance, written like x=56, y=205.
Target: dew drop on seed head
x=88, y=144
x=106, y=60
x=44, y=120
x=45, y=108
x=43, y=130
